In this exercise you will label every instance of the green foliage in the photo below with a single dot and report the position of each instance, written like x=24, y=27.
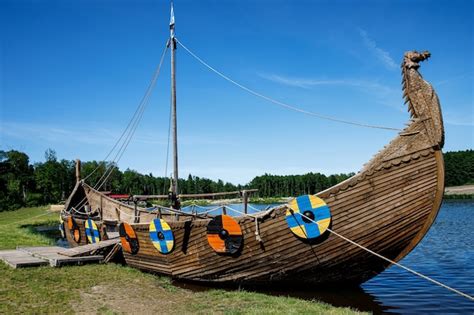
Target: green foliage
x=459, y=167
x=294, y=185
x=34, y=199
x=51, y=181
x=16, y=179
x=54, y=180
x=266, y=200
x=459, y=197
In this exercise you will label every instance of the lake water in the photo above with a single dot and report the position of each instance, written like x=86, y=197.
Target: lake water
x=233, y=209
x=445, y=254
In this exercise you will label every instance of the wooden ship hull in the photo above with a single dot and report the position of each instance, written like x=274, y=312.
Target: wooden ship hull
x=387, y=207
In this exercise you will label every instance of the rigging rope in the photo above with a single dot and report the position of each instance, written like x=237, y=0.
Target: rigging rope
x=391, y=261
x=285, y=105
x=132, y=120
x=143, y=105
x=128, y=132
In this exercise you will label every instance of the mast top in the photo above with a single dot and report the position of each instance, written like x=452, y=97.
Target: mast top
x=172, y=21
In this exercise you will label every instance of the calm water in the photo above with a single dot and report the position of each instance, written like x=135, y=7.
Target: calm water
x=233, y=209
x=445, y=254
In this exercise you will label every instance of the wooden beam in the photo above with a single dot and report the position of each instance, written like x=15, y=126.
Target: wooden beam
x=145, y=197
x=226, y=193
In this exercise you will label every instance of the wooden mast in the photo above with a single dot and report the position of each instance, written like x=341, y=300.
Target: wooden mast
x=174, y=129
x=78, y=170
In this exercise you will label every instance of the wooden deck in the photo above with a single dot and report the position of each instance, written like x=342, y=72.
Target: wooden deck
x=89, y=248
x=56, y=256
x=51, y=254
x=20, y=259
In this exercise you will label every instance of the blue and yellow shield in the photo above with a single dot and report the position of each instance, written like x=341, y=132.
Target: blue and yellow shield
x=162, y=236
x=92, y=232
x=304, y=207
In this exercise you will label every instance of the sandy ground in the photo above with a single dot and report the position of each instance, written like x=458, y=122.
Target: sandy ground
x=459, y=190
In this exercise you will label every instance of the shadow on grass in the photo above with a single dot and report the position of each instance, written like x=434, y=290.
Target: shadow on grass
x=49, y=230
x=344, y=295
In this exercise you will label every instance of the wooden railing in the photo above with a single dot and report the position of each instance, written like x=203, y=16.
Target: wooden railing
x=241, y=193
x=206, y=195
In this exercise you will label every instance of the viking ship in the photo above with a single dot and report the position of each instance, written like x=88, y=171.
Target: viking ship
x=387, y=207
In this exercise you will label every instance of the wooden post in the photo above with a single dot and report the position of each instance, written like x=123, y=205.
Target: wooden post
x=78, y=170
x=100, y=214
x=101, y=207
x=136, y=218
x=245, y=197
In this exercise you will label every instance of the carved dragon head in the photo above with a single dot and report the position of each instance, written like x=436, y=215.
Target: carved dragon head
x=412, y=58
x=423, y=103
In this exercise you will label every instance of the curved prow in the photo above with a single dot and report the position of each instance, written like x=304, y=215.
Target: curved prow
x=423, y=103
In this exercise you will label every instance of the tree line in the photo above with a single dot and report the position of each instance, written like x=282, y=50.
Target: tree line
x=459, y=167
x=51, y=181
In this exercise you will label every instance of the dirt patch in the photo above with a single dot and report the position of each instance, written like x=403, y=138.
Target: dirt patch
x=138, y=298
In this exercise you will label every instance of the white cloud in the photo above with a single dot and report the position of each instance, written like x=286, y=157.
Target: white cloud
x=53, y=134
x=458, y=119
x=308, y=83
x=89, y=135
x=383, y=94
x=381, y=54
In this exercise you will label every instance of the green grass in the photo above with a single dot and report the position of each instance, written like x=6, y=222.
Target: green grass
x=116, y=289
x=459, y=197
x=267, y=200
x=17, y=227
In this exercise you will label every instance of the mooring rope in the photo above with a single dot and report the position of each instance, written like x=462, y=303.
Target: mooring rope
x=279, y=103
x=391, y=261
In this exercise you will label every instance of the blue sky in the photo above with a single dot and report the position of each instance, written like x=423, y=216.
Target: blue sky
x=73, y=72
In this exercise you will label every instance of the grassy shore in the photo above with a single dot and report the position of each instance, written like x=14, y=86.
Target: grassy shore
x=116, y=289
x=459, y=192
